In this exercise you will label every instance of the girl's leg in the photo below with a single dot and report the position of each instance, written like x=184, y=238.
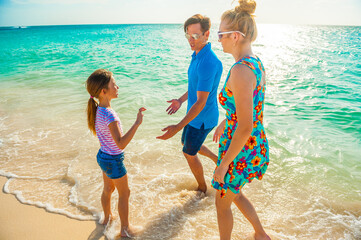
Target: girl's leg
x=224, y=214
x=246, y=207
x=106, y=197
x=123, y=205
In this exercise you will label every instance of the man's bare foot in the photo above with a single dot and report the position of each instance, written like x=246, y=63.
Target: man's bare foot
x=110, y=218
x=130, y=231
x=258, y=236
x=202, y=188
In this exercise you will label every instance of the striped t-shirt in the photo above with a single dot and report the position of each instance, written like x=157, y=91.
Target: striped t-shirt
x=104, y=117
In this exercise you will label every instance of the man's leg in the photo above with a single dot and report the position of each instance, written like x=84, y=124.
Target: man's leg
x=208, y=153
x=197, y=170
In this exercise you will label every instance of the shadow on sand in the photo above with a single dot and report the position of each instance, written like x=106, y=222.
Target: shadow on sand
x=168, y=225
x=98, y=232
x=164, y=226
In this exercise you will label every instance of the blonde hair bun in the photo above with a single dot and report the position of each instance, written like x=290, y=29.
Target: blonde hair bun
x=246, y=6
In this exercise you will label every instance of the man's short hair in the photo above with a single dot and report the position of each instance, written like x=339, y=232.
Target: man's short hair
x=198, y=18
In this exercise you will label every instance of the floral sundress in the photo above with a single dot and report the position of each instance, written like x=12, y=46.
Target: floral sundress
x=253, y=159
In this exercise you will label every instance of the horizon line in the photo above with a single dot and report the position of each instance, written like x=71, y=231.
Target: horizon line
x=89, y=24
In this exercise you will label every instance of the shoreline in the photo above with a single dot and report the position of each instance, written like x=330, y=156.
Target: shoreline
x=19, y=220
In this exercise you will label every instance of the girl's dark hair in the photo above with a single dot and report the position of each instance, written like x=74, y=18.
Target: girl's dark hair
x=97, y=81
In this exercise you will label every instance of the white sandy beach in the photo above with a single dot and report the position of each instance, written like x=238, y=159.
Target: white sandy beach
x=20, y=221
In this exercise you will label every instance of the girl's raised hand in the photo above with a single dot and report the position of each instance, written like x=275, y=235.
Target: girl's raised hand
x=140, y=116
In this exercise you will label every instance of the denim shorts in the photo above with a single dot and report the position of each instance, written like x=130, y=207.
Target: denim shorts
x=193, y=138
x=112, y=165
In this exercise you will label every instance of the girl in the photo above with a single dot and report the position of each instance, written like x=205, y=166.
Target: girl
x=243, y=146
x=105, y=123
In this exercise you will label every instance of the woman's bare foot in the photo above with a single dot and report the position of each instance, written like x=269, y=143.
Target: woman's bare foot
x=130, y=231
x=110, y=218
x=258, y=236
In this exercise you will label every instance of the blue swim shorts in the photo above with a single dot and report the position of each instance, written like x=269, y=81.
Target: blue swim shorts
x=193, y=138
x=112, y=165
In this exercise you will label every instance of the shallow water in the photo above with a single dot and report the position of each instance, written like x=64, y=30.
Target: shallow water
x=311, y=190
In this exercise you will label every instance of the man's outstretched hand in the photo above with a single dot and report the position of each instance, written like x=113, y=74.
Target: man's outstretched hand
x=173, y=108
x=170, y=131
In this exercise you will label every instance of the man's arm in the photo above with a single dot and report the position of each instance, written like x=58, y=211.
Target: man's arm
x=176, y=103
x=195, y=109
x=193, y=112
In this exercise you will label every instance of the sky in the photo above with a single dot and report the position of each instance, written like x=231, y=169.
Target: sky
x=64, y=12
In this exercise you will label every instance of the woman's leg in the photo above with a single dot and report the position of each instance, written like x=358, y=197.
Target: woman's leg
x=246, y=207
x=224, y=214
x=106, y=198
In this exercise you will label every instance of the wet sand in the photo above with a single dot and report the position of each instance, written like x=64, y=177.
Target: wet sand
x=21, y=221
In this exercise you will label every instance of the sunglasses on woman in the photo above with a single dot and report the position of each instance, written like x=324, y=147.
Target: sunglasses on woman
x=220, y=34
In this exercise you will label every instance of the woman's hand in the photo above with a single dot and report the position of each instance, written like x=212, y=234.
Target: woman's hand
x=173, y=108
x=219, y=131
x=140, y=116
x=220, y=173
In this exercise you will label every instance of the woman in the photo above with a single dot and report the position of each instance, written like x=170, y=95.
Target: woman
x=243, y=146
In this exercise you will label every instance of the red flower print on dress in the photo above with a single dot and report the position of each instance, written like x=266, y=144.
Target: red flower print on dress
x=251, y=142
x=229, y=133
x=230, y=122
x=260, y=65
x=241, y=165
x=232, y=178
x=229, y=93
x=224, y=142
x=263, y=135
x=260, y=117
x=263, y=150
x=259, y=106
x=222, y=99
x=230, y=168
x=256, y=161
x=223, y=193
x=252, y=175
x=223, y=153
x=248, y=64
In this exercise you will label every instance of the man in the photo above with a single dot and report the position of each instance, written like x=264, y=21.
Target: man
x=204, y=74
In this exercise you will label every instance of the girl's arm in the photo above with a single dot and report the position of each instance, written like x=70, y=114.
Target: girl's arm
x=241, y=82
x=123, y=141
x=219, y=131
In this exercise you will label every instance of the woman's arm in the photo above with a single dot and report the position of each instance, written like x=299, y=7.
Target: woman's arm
x=123, y=141
x=241, y=83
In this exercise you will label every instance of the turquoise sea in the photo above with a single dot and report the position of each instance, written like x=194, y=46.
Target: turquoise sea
x=311, y=190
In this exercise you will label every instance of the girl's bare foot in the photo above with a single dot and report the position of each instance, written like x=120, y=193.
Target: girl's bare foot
x=110, y=218
x=130, y=231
